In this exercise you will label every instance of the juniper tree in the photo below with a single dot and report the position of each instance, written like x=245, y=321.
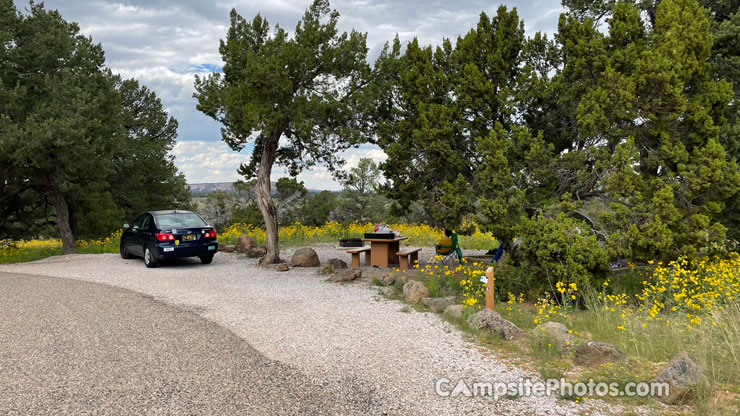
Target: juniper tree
x=295, y=97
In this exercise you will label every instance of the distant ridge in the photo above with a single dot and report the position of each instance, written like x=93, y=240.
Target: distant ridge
x=207, y=188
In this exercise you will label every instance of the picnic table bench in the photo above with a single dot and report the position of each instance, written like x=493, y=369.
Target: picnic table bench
x=356, y=255
x=408, y=257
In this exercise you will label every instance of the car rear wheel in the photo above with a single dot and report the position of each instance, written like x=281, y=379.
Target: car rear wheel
x=206, y=259
x=149, y=260
x=124, y=253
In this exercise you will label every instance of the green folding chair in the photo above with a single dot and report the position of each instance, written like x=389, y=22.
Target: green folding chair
x=448, y=252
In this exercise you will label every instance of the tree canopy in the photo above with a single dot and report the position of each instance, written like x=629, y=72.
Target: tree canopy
x=74, y=135
x=296, y=98
x=433, y=104
x=628, y=125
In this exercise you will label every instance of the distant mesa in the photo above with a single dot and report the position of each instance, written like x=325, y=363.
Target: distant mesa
x=207, y=188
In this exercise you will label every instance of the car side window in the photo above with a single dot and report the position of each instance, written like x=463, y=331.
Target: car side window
x=139, y=223
x=145, y=223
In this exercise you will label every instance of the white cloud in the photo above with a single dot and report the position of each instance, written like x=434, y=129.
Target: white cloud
x=204, y=161
x=165, y=43
x=353, y=156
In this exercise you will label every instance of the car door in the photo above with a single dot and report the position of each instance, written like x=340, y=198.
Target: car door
x=135, y=241
x=145, y=233
x=128, y=237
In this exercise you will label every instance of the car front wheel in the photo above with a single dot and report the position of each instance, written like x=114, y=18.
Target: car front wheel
x=149, y=260
x=206, y=259
x=124, y=253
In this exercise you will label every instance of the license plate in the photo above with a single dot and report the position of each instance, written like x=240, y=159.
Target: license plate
x=169, y=249
x=188, y=237
x=211, y=247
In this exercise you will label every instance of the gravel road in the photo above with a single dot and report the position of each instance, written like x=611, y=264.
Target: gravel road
x=342, y=344
x=69, y=346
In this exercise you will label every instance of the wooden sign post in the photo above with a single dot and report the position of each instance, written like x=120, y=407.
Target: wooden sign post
x=489, y=288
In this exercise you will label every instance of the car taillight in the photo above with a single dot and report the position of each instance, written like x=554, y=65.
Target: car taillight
x=210, y=234
x=165, y=237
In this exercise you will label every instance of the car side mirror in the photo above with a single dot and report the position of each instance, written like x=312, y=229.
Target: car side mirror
x=125, y=226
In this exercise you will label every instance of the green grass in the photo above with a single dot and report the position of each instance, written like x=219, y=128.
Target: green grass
x=26, y=255
x=29, y=255
x=648, y=347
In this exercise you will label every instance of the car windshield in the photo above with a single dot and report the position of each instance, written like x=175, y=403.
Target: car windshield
x=179, y=220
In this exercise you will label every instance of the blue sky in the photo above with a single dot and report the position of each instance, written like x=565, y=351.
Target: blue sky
x=165, y=43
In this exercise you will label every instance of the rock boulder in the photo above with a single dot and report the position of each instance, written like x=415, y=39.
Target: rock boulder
x=244, y=243
x=336, y=264
x=346, y=275
x=683, y=376
x=557, y=333
x=415, y=291
x=255, y=252
x=305, y=257
x=491, y=320
x=387, y=279
x=438, y=305
x=226, y=248
x=595, y=353
x=454, y=312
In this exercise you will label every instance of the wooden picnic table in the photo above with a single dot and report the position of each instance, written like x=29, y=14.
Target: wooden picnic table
x=383, y=251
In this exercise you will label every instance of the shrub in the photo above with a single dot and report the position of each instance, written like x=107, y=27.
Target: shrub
x=561, y=249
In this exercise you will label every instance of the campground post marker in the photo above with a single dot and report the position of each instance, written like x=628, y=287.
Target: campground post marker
x=489, y=288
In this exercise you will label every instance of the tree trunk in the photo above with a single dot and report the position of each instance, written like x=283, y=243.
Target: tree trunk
x=511, y=249
x=63, y=225
x=264, y=199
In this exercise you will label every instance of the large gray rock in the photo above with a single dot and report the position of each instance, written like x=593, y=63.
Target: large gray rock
x=454, y=312
x=336, y=264
x=226, y=248
x=387, y=279
x=255, y=252
x=244, y=243
x=415, y=291
x=346, y=275
x=557, y=333
x=438, y=305
x=305, y=257
x=683, y=376
x=491, y=320
x=595, y=353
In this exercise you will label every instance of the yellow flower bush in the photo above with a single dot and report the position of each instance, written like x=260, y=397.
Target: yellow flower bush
x=292, y=234
x=29, y=250
x=683, y=292
x=473, y=290
x=297, y=233
x=696, y=287
x=546, y=308
x=460, y=278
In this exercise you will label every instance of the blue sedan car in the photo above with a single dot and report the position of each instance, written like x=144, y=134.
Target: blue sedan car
x=158, y=235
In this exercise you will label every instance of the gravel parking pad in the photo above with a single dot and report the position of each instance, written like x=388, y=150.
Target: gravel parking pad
x=75, y=347
x=343, y=337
